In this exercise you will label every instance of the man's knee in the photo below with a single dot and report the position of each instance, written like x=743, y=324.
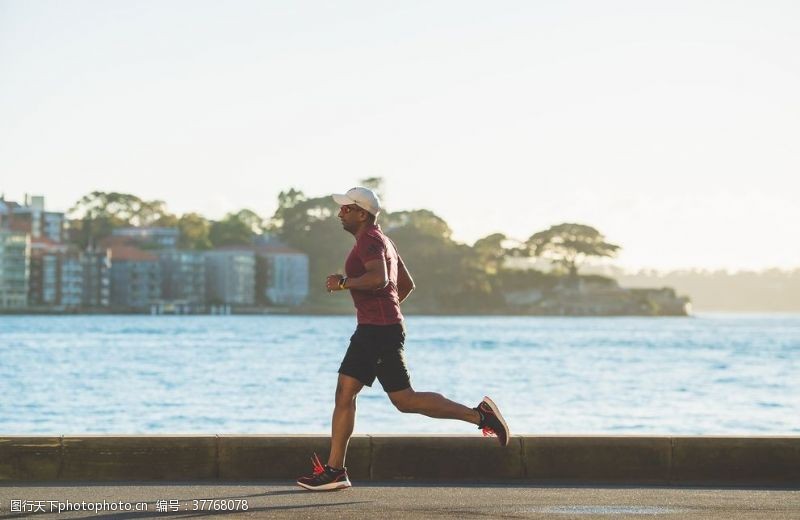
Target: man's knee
x=345, y=396
x=404, y=401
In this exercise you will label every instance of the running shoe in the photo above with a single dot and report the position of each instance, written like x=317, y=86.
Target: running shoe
x=324, y=478
x=492, y=422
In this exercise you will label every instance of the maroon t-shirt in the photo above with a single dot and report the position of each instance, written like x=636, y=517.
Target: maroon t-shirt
x=382, y=306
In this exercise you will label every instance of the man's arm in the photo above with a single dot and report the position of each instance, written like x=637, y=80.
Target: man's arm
x=375, y=278
x=405, y=284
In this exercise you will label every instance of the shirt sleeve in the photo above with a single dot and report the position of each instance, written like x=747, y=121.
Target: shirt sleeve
x=370, y=248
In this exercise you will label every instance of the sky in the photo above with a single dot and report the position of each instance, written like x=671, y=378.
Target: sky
x=673, y=127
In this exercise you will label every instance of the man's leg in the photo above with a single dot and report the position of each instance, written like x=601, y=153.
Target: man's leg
x=344, y=418
x=433, y=405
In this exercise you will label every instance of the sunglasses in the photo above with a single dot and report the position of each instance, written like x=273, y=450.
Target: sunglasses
x=348, y=209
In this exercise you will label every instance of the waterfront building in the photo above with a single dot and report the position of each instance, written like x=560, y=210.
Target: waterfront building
x=5, y=213
x=95, y=277
x=282, y=275
x=71, y=280
x=135, y=278
x=44, y=286
x=230, y=276
x=183, y=276
x=150, y=237
x=63, y=277
x=32, y=218
x=15, y=250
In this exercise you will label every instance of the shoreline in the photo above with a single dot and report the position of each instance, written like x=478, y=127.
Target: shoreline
x=694, y=314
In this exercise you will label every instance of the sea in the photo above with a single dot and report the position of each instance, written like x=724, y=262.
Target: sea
x=708, y=374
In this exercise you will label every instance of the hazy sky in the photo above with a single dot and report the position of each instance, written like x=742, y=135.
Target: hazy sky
x=673, y=127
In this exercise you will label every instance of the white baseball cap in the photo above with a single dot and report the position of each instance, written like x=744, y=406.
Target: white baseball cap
x=362, y=197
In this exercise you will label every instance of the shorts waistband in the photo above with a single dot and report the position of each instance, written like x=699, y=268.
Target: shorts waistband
x=369, y=326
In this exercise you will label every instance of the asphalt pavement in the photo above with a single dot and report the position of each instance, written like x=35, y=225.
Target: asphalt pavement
x=389, y=500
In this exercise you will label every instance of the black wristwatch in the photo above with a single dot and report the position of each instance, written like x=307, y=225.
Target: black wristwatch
x=342, y=281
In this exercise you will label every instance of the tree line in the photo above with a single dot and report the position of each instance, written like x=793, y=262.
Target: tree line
x=769, y=290
x=450, y=276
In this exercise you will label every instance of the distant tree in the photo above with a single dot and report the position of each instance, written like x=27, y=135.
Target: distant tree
x=448, y=275
x=194, y=232
x=491, y=251
x=375, y=184
x=424, y=221
x=569, y=244
x=250, y=218
x=286, y=200
x=231, y=231
x=168, y=220
x=97, y=214
x=121, y=208
x=525, y=279
x=153, y=213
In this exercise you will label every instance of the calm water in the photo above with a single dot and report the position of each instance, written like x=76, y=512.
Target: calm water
x=713, y=374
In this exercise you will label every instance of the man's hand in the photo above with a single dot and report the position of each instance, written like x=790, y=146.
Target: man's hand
x=332, y=282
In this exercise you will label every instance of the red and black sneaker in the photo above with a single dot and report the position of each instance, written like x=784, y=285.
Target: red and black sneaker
x=324, y=478
x=492, y=423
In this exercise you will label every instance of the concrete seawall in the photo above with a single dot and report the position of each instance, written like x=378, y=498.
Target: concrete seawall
x=727, y=461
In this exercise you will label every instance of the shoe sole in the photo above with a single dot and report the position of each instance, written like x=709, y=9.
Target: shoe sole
x=333, y=486
x=499, y=416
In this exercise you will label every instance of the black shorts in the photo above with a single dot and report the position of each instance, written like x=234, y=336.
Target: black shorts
x=377, y=351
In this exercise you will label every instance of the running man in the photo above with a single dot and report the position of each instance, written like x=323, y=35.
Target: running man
x=379, y=282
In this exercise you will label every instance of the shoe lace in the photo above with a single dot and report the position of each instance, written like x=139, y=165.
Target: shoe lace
x=318, y=467
x=488, y=432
